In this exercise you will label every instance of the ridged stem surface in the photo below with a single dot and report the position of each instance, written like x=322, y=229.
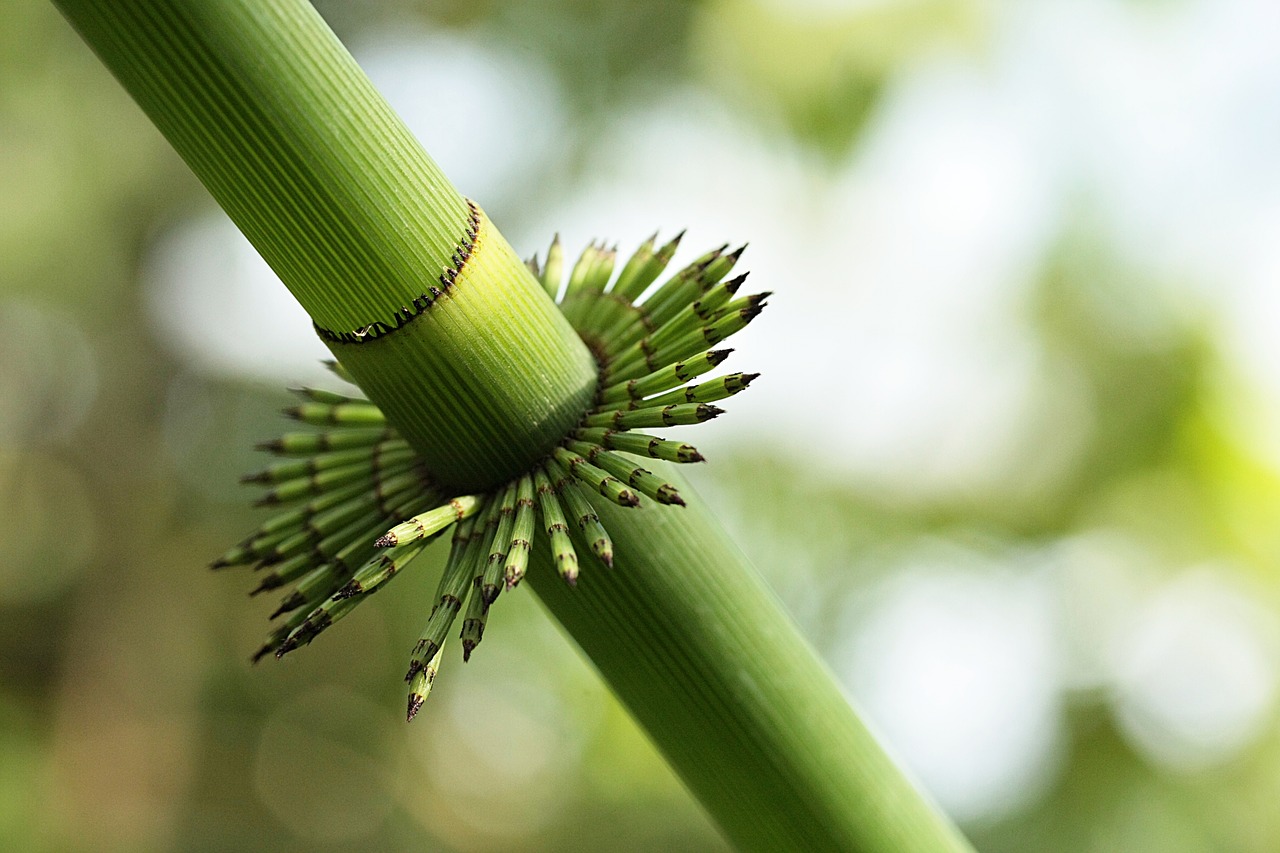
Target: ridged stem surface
x=279, y=123
x=288, y=134
x=492, y=324
x=702, y=655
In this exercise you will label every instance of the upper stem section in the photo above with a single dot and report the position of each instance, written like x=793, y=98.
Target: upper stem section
x=421, y=299
x=288, y=134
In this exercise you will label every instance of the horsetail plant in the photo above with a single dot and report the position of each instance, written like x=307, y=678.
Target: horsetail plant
x=503, y=405
x=368, y=484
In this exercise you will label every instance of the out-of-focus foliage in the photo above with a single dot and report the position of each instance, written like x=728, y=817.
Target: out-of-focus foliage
x=818, y=75
x=1011, y=464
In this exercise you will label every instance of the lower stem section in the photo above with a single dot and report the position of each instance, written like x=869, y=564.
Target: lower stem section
x=738, y=702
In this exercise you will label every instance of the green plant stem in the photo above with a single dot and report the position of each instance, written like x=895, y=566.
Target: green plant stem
x=288, y=134
x=702, y=655
x=276, y=119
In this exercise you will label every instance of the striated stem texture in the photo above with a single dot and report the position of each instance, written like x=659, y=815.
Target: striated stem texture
x=452, y=338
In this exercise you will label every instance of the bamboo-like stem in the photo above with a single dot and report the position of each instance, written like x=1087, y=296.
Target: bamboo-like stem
x=699, y=651
x=276, y=119
x=288, y=134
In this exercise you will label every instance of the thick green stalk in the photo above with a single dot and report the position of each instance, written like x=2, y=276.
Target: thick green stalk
x=276, y=119
x=702, y=655
x=291, y=138
x=288, y=134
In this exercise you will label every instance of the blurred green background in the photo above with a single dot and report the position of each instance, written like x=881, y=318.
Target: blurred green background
x=1014, y=463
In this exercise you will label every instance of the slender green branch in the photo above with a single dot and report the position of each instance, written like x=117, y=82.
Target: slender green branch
x=481, y=376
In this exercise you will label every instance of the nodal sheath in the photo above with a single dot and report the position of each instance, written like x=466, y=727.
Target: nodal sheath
x=490, y=342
